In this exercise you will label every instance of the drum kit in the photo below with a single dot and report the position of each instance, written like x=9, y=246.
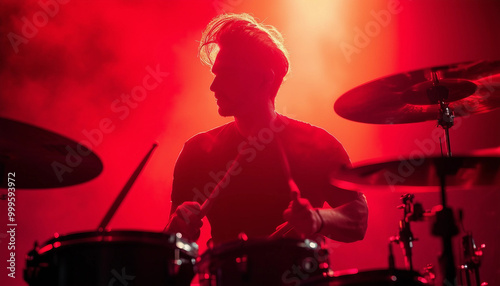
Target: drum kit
x=126, y=257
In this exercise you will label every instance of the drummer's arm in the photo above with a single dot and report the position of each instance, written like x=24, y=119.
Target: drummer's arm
x=185, y=218
x=347, y=220
x=185, y=211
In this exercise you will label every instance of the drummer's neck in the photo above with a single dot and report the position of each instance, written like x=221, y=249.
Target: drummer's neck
x=252, y=123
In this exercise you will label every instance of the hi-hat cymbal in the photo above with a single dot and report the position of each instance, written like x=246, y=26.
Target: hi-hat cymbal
x=42, y=159
x=473, y=87
x=421, y=174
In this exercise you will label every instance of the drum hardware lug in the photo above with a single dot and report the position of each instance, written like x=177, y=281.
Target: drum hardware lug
x=242, y=262
x=176, y=263
x=104, y=231
x=323, y=255
x=178, y=235
x=429, y=274
x=323, y=262
x=207, y=277
x=32, y=268
x=242, y=236
x=213, y=280
x=175, y=266
x=309, y=264
x=311, y=243
x=472, y=255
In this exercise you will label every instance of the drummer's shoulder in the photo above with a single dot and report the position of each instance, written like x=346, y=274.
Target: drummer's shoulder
x=311, y=133
x=206, y=139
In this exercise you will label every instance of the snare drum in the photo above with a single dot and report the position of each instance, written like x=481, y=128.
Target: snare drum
x=262, y=262
x=112, y=258
x=383, y=277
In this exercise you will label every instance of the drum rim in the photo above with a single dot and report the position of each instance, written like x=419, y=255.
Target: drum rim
x=233, y=246
x=116, y=236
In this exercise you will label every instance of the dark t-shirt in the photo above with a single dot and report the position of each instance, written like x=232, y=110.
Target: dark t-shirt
x=255, y=194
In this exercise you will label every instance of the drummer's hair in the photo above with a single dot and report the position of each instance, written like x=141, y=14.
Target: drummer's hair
x=243, y=31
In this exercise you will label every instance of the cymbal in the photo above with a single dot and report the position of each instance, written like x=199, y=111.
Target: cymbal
x=495, y=151
x=421, y=174
x=42, y=159
x=473, y=87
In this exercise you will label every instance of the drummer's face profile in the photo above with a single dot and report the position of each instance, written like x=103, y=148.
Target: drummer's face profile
x=237, y=85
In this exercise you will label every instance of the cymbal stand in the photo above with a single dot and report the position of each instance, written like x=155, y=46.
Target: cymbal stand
x=472, y=255
x=439, y=94
x=444, y=226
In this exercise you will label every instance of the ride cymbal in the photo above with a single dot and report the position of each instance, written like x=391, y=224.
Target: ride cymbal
x=472, y=87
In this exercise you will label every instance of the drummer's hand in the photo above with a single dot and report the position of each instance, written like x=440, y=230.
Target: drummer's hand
x=302, y=216
x=187, y=220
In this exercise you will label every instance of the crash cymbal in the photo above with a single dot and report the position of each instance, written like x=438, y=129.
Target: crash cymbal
x=473, y=87
x=495, y=151
x=421, y=174
x=42, y=159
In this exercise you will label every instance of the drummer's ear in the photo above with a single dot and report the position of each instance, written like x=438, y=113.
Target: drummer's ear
x=268, y=77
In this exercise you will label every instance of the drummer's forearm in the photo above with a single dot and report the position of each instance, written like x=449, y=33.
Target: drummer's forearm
x=347, y=223
x=168, y=227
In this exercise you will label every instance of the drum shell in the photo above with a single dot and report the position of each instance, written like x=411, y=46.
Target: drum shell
x=112, y=258
x=262, y=262
x=379, y=277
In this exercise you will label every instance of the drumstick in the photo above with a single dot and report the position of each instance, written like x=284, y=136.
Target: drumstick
x=207, y=204
x=286, y=227
x=126, y=188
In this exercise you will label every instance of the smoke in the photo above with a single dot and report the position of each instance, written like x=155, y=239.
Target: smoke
x=58, y=55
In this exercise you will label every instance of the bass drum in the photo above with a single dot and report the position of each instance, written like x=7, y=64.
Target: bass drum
x=383, y=277
x=112, y=258
x=262, y=262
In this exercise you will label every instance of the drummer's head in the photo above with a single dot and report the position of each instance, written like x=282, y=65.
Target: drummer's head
x=247, y=57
